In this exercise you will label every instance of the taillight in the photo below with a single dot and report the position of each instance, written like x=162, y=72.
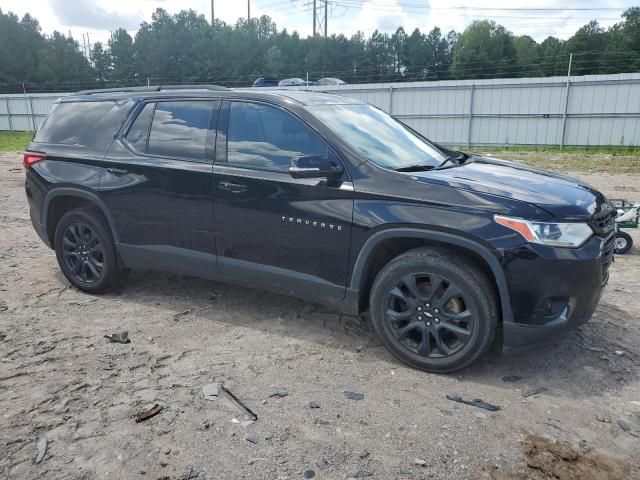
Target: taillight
x=31, y=158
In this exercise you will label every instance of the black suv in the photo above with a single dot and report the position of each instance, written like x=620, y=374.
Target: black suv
x=324, y=198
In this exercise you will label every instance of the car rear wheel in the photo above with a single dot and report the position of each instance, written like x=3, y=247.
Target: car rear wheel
x=434, y=310
x=86, y=251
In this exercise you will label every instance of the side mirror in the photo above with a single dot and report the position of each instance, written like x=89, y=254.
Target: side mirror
x=314, y=166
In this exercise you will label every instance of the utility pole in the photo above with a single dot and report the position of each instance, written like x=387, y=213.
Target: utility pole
x=566, y=102
x=314, y=18
x=325, y=18
x=248, y=10
x=213, y=16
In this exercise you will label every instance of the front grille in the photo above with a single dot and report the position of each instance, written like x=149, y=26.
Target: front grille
x=603, y=221
x=608, y=246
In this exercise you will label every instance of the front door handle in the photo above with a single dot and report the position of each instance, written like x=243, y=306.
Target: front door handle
x=233, y=187
x=117, y=171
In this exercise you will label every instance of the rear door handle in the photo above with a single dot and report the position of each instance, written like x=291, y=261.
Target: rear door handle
x=117, y=171
x=233, y=187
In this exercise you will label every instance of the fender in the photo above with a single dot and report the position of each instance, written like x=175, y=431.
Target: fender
x=79, y=193
x=441, y=237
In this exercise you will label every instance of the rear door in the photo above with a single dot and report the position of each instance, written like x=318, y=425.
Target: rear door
x=287, y=234
x=158, y=184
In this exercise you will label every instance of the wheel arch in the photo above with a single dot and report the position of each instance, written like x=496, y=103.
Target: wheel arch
x=385, y=245
x=61, y=200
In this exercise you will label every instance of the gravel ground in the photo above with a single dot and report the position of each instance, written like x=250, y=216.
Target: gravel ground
x=62, y=381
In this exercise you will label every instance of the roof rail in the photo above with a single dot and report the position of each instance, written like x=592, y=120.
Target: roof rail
x=151, y=88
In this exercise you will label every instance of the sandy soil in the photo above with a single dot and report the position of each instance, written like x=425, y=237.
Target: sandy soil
x=60, y=380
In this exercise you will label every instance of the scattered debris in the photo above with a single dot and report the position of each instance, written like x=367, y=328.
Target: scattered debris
x=511, y=378
x=353, y=395
x=177, y=316
x=591, y=348
x=309, y=474
x=362, y=474
x=122, y=337
x=279, y=392
x=420, y=462
x=42, y=449
x=474, y=403
x=322, y=464
x=530, y=392
x=253, y=440
x=211, y=391
x=603, y=417
x=623, y=425
x=619, y=352
x=147, y=413
x=239, y=404
x=364, y=454
x=190, y=475
x=314, y=404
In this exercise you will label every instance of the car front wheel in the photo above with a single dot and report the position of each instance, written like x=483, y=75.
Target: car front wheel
x=434, y=310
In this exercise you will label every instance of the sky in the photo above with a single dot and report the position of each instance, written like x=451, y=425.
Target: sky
x=546, y=17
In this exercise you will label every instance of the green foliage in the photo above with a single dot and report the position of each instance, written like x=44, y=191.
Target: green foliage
x=185, y=48
x=14, y=141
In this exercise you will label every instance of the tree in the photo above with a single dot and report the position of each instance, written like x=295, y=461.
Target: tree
x=274, y=61
x=587, y=45
x=101, y=61
x=122, y=56
x=484, y=50
x=528, y=53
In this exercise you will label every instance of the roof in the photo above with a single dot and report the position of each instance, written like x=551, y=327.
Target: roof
x=300, y=96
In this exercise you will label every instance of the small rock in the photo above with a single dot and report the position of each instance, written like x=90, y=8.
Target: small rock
x=253, y=440
x=314, y=405
x=41, y=449
x=623, y=425
x=603, y=417
x=279, y=392
x=309, y=474
x=619, y=352
x=362, y=474
x=364, y=454
x=149, y=339
x=635, y=402
x=167, y=451
x=353, y=395
x=420, y=462
x=254, y=460
x=533, y=391
x=163, y=463
x=511, y=378
x=480, y=414
x=245, y=423
x=322, y=464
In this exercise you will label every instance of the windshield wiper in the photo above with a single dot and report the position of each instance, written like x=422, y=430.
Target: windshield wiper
x=415, y=168
x=457, y=157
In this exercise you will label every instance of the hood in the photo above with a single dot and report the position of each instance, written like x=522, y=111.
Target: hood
x=562, y=196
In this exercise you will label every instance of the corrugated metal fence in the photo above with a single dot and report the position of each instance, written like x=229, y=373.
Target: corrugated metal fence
x=582, y=111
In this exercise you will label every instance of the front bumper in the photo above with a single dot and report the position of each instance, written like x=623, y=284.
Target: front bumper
x=553, y=290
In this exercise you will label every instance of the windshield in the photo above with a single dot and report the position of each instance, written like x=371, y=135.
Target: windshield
x=378, y=137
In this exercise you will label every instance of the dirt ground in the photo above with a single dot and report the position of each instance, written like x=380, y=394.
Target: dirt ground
x=62, y=381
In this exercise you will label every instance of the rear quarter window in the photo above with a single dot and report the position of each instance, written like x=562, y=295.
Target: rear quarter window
x=73, y=123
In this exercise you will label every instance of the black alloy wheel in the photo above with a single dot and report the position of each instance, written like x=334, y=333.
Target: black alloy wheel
x=428, y=315
x=83, y=253
x=434, y=309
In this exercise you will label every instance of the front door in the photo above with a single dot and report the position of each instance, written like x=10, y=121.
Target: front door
x=290, y=235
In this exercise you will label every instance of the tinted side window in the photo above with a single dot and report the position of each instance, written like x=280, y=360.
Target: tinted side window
x=267, y=138
x=139, y=131
x=70, y=123
x=179, y=129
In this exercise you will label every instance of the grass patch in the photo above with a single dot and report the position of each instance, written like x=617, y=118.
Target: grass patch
x=611, y=150
x=614, y=161
x=14, y=141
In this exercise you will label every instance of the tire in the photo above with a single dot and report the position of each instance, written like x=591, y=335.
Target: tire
x=83, y=236
x=623, y=243
x=434, y=310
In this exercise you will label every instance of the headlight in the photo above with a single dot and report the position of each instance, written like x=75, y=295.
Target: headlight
x=554, y=234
